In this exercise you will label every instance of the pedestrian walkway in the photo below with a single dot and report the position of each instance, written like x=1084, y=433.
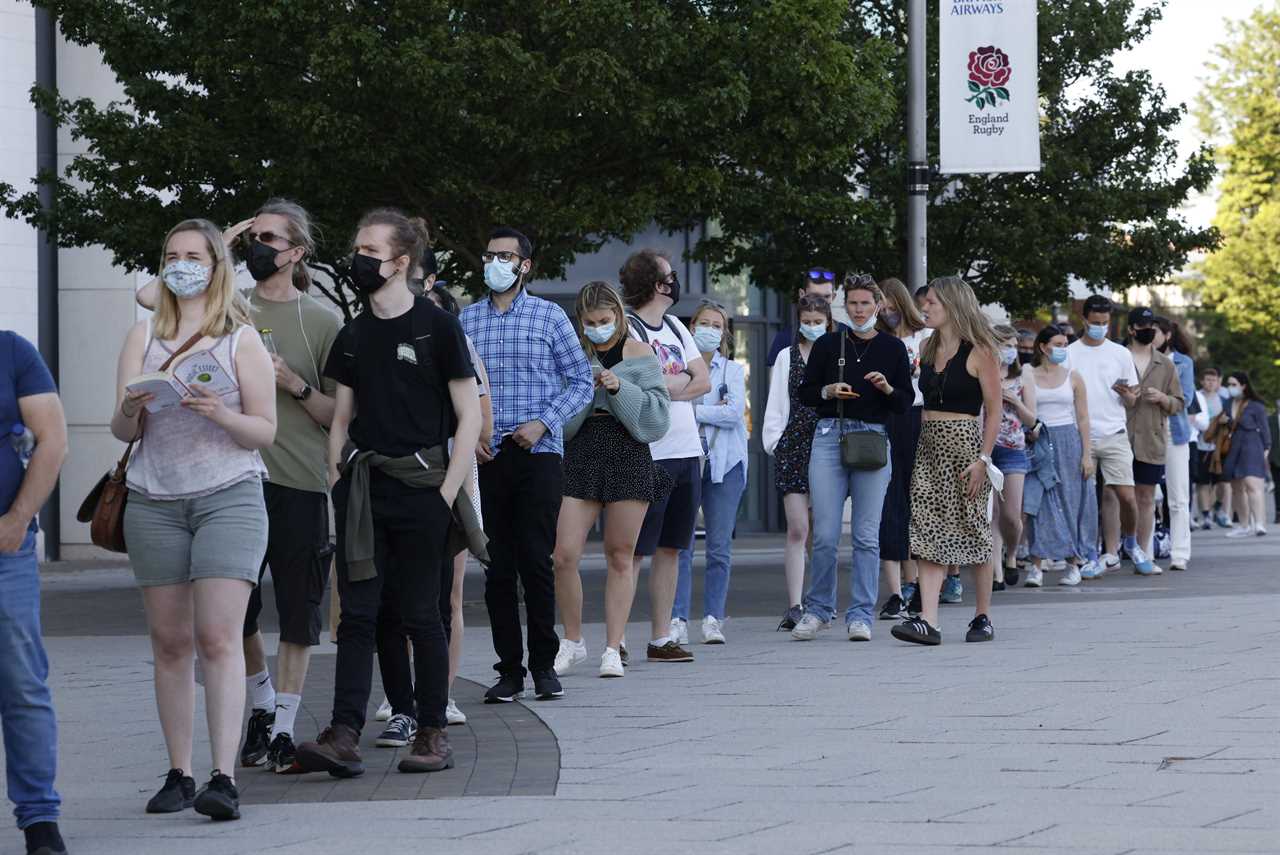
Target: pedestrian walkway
x=1133, y=715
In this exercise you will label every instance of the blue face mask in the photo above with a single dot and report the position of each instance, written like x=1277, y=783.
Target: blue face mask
x=863, y=328
x=1097, y=332
x=600, y=334
x=1058, y=355
x=707, y=339
x=1235, y=391
x=813, y=332
x=1008, y=355
x=499, y=275
x=186, y=278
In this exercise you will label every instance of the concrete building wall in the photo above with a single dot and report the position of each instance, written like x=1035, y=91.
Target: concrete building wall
x=19, y=302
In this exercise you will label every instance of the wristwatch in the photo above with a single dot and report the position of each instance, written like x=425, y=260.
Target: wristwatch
x=305, y=393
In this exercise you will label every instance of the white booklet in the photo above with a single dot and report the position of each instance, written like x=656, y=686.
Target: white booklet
x=172, y=385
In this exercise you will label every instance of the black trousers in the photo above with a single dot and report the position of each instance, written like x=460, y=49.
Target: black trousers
x=393, y=650
x=520, y=495
x=410, y=533
x=298, y=554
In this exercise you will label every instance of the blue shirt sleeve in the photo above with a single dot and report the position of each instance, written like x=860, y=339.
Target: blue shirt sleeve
x=571, y=363
x=30, y=375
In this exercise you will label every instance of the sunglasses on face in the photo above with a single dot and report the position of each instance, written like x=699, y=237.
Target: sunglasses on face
x=268, y=238
x=504, y=257
x=820, y=275
x=670, y=279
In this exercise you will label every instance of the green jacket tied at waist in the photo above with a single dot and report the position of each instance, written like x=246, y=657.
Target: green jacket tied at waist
x=424, y=469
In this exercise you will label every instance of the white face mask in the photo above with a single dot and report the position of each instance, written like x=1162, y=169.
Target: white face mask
x=186, y=278
x=499, y=275
x=865, y=327
x=707, y=338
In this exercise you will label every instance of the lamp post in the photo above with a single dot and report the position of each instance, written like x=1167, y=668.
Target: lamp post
x=917, y=149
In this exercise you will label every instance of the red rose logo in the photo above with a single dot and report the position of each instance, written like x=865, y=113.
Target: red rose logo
x=989, y=73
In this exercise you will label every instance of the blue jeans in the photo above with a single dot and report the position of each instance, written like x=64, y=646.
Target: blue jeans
x=720, y=513
x=26, y=706
x=830, y=484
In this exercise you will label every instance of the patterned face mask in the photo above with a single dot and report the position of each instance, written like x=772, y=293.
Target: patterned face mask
x=186, y=278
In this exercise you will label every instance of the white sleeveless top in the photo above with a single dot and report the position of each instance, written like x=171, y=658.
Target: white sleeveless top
x=183, y=455
x=1056, y=406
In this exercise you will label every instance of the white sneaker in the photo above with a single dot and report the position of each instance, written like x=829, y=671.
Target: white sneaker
x=809, y=627
x=859, y=630
x=569, y=654
x=1058, y=565
x=611, y=663
x=1070, y=577
x=1240, y=531
x=1110, y=562
x=679, y=631
x=453, y=715
x=1092, y=570
x=384, y=711
x=712, y=630
x=1035, y=577
x=1260, y=530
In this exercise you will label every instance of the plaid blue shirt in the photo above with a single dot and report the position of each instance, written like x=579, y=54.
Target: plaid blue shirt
x=536, y=366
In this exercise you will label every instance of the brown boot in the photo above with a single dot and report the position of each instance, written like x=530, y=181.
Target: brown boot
x=336, y=751
x=430, y=752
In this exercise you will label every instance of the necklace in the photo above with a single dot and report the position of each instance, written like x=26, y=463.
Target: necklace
x=857, y=357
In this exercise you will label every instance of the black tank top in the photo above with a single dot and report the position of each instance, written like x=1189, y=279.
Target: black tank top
x=954, y=390
x=613, y=355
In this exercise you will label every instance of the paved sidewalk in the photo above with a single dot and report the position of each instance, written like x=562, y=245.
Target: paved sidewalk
x=1132, y=715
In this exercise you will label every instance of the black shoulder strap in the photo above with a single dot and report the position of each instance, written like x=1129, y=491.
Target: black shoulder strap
x=638, y=325
x=671, y=325
x=420, y=321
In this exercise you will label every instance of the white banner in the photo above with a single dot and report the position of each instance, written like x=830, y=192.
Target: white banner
x=988, y=89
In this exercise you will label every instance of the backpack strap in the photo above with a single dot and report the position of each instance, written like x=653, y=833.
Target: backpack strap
x=638, y=326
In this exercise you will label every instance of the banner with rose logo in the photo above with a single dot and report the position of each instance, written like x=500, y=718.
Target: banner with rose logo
x=988, y=87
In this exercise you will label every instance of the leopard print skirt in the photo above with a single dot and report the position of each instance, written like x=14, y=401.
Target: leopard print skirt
x=947, y=527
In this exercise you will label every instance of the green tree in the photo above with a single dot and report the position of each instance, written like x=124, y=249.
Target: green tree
x=1240, y=105
x=1104, y=207
x=582, y=122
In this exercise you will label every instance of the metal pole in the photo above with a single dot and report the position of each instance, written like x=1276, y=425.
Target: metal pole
x=917, y=148
x=47, y=251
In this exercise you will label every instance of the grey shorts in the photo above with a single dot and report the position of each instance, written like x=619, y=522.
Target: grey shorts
x=219, y=536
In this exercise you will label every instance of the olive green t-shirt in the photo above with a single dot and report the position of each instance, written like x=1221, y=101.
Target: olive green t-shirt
x=303, y=331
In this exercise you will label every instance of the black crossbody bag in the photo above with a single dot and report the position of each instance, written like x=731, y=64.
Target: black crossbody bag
x=859, y=449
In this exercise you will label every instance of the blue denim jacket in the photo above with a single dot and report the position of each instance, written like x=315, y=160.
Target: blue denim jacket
x=1179, y=426
x=721, y=415
x=1043, y=476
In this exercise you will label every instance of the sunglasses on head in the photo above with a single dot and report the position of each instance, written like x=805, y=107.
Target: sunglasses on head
x=858, y=280
x=820, y=275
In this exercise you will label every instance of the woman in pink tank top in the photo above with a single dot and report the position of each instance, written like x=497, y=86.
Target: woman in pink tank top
x=195, y=523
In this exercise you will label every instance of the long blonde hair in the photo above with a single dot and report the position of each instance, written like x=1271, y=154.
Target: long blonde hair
x=600, y=295
x=965, y=315
x=224, y=308
x=896, y=293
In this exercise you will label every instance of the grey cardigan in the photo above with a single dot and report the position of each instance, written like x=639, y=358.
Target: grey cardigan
x=642, y=403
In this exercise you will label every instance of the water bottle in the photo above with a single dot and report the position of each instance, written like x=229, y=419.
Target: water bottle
x=268, y=340
x=23, y=442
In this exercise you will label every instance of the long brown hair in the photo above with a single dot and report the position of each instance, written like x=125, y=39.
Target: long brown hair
x=964, y=313
x=224, y=308
x=896, y=293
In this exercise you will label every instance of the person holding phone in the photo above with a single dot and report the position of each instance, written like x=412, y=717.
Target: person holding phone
x=721, y=417
x=855, y=379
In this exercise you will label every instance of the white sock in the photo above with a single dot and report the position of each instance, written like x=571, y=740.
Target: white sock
x=286, y=710
x=659, y=642
x=262, y=695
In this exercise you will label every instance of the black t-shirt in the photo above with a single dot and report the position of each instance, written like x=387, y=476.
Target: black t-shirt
x=401, y=405
x=884, y=353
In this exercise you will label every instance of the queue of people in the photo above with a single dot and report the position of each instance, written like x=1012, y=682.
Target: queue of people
x=506, y=430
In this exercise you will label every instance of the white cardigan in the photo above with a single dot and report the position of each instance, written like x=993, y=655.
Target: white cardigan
x=777, y=411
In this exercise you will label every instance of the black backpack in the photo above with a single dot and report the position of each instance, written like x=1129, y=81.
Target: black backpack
x=642, y=329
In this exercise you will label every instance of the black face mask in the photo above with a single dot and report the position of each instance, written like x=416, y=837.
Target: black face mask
x=673, y=287
x=1024, y=357
x=1145, y=336
x=366, y=273
x=261, y=261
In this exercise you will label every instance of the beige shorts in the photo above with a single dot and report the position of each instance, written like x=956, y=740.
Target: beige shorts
x=1114, y=459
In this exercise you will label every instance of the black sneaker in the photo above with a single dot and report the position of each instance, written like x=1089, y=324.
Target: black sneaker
x=997, y=585
x=283, y=756
x=546, y=685
x=257, y=738
x=43, y=839
x=980, y=629
x=219, y=799
x=510, y=687
x=1011, y=577
x=177, y=794
x=917, y=630
x=893, y=608
x=914, y=605
x=398, y=733
x=790, y=619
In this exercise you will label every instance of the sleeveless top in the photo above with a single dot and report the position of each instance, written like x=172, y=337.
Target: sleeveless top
x=613, y=355
x=1010, y=434
x=183, y=455
x=953, y=390
x=1056, y=406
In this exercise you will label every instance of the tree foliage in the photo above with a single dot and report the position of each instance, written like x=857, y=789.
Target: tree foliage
x=581, y=122
x=1241, y=105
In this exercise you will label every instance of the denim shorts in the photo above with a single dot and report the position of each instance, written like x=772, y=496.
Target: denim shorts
x=1010, y=461
x=219, y=536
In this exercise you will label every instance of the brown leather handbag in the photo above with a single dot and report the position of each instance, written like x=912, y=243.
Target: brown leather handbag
x=103, y=508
